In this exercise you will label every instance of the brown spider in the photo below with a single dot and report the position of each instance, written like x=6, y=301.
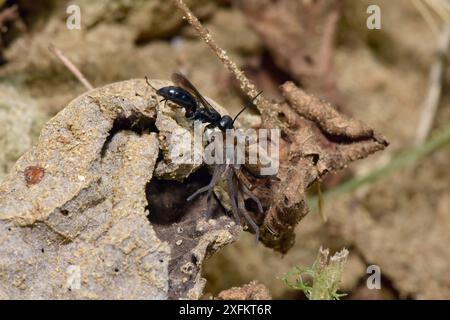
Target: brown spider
x=198, y=108
x=236, y=191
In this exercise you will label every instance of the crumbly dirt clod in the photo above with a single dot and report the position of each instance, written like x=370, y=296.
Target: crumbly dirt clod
x=251, y=291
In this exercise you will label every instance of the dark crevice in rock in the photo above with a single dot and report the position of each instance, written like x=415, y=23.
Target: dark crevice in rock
x=176, y=221
x=345, y=140
x=136, y=122
x=167, y=198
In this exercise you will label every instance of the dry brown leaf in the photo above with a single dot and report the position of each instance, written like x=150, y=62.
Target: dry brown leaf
x=319, y=139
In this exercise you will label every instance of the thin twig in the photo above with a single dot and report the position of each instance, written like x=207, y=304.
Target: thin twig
x=246, y=85
x=72, y=68
x=431, y=102
x=426, y=15
x=441, y=8
x=269, y=113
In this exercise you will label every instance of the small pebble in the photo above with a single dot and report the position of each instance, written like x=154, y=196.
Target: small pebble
x=33, y=175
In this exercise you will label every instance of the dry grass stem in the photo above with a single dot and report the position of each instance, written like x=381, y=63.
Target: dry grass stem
x=269, y=113
x=72, y=68
x=431, y=102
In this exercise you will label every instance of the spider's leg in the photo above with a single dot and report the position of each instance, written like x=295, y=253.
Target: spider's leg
x=218, y=171
x=209, y=204
x=233, y=193
x=252, y=196
x=241, y=206
x=214, y=180
x=199, y=191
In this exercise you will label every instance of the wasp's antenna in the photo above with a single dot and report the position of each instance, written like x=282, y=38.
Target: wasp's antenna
x=245, y=107
x=148, y=82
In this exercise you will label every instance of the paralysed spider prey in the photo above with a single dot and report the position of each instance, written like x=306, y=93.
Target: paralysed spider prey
x=185, y=95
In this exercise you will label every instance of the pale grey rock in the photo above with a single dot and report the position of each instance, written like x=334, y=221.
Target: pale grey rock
x=96, y=225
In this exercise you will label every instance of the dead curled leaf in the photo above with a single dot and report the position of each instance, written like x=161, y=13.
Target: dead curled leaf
x=319, y=139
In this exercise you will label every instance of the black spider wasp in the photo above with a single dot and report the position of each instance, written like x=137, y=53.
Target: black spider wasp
x=185, y=95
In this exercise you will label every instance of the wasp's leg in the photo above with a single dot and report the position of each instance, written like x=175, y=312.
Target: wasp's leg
x=253, y=225
x=165, y=102
x=188, y=113
x=218, y=171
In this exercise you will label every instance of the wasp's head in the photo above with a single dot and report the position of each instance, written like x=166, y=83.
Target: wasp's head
x=226, y=122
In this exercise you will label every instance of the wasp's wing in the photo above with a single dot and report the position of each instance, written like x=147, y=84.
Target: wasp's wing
x=181, y=81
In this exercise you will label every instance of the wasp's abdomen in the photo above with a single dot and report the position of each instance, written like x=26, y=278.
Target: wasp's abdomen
x=179, y=96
